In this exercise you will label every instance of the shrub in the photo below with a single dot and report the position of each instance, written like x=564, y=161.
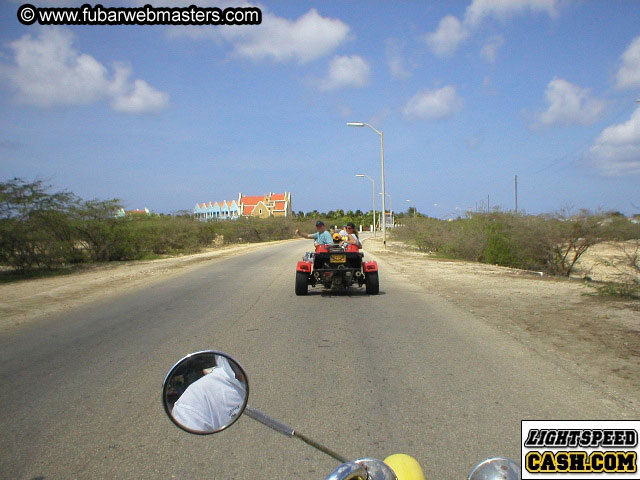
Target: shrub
x=550, y=243
x=39, y=229
x=34, y=226
x=500, y=248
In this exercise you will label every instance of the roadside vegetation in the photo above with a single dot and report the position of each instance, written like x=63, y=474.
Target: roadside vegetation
x=627, y=264
x=46, y=233
x=42, y=232
x=337, y=218
x=552, y=244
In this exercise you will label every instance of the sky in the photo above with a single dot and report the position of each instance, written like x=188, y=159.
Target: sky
x=468, y=94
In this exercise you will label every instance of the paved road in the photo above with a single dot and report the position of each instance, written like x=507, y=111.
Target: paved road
x=404, y=371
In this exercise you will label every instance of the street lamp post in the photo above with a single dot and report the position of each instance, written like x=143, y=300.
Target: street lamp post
x=384, y=205
x=390, y=206
x=373, y=197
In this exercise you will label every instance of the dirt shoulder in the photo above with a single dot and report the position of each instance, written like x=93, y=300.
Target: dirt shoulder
x=30, y=300
x=561, y=319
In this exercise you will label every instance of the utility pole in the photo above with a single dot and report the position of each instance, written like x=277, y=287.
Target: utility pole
x=373, y=194
x=384, y=205
x=515, y=189
x=488, y=208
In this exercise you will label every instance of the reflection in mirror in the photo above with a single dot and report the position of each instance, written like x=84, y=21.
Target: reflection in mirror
x=205, y=392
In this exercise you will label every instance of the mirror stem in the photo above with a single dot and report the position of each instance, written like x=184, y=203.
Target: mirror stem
x=322, y=448
x=290, y=432
x=269, y=422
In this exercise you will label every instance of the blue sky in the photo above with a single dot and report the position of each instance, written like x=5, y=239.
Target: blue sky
x=468, y=95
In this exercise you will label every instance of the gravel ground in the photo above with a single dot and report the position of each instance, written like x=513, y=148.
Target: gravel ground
x=561, y=319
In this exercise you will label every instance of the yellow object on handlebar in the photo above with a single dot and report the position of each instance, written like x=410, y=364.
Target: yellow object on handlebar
x=405, y=467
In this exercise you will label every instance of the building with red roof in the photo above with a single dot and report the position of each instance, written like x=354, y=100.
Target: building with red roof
x=262, y=206
x=122, y=212
x=270, y=205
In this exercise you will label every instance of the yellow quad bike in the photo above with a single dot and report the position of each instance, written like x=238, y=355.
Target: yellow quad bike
x=206, y=392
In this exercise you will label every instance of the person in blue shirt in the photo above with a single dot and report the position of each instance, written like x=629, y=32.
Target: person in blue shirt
x=321, y=237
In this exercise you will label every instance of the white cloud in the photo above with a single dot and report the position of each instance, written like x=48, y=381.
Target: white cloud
x=140, y=98
x=569, y=104
x=346, y=71
x=307, y=38
x=490, y=51
x=617, y=150
x=48, y=71
x=447, y=37
x=434, y=104
x=451, y=32
x=504, y=9
x=395, y=59
x=629, y=73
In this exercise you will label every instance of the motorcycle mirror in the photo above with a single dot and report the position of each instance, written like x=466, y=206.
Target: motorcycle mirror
x=205, y=392
x=497, y=468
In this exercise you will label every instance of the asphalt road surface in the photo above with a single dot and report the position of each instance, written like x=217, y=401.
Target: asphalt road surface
x=404, y=371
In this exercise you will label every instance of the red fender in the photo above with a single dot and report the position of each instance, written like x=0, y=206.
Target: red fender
x=371, y=266
x=303, y=266
x=322, y=249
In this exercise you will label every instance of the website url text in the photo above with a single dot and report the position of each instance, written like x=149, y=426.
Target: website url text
x=147, y=15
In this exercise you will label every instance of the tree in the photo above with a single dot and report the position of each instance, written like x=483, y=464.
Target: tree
x=95, y=223
x=21, y=200
x=34, y=225
x=568, y=238
x=614, y=213
x=182, y=213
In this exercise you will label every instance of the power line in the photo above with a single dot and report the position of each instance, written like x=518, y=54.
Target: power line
x=582, y=148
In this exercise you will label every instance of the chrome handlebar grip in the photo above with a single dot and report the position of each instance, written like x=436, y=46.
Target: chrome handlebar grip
x=349, y=471
x=364, y=469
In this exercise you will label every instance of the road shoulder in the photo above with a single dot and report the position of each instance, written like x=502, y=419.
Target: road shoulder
x=560, y=319
x=30, y=300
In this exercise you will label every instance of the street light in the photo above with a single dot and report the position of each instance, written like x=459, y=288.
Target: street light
x=414, y=208
x=384, y=205
x=373, y=196
x=390, y=207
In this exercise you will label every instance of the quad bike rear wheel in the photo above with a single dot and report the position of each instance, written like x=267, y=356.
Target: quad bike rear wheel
x=372, y=284
x=302, y=283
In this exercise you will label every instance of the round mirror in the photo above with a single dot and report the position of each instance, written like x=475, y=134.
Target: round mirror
x=205, y=392
x=496, y=469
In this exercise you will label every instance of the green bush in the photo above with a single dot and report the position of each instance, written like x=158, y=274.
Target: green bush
x=34, y=226
x=500, y=248
x=549, y=243
x=39, y=229
x=622, y=290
